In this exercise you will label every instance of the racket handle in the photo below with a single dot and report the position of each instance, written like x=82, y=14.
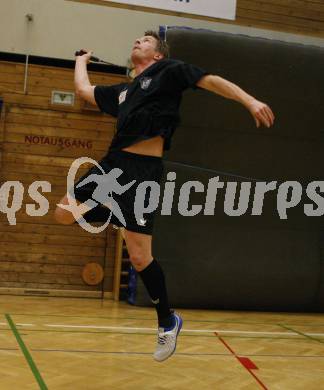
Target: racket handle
x=82, y=52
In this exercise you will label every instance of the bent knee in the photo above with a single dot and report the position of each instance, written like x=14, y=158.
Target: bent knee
x=63, y=217
x=139, y=260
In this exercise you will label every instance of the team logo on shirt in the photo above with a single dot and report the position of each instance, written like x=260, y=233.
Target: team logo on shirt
x=145, y=82
x=122, y=96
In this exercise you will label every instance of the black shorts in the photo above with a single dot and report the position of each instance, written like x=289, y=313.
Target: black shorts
x=135, y=167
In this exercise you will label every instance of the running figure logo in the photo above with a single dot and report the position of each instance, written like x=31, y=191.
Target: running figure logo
x=107, y=185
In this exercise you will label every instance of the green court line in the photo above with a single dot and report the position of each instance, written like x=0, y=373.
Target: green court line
x=26, y=353
x=302, y=334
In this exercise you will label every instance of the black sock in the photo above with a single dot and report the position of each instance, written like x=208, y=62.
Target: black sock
x=154, y=281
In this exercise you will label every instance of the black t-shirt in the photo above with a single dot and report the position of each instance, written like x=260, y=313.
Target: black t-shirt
x=149, y=106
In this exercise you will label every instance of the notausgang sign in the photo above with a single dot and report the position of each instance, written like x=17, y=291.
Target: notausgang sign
x=224, y=9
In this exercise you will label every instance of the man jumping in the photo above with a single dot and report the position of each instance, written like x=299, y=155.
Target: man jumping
x=148, y=113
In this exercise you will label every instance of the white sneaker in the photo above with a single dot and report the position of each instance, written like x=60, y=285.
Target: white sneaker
x=167, y=340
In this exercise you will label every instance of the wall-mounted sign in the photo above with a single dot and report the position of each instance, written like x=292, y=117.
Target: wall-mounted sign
x=58, y=141
x=224, y=9
x=61, y=97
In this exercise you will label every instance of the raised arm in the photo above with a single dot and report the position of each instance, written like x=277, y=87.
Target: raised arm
x=261, y=112
x=83, y=87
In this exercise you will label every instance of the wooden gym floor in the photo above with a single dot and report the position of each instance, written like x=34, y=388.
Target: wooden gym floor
x=76, y=344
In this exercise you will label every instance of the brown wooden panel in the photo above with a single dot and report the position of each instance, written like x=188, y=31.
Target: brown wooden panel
x=16, y=267
x=279, y=18
x=305, y=5
x=40, y=119
x=42, y=82
x=44, y=124
x=28, y=178
x=41, y=258
x=33, y=277
x=301, y=17
x=55, y=249
x=72, y=271
x=47, y=161
x=22, y=217
x=264, y=24
x=58, y=183
x=53, y=239
x=38, y=253
x=50, y=142
x=2, y=134
x=38, y=101
x=59, y=115
x=38, y=285
x=20, y=278
x=306, y=15
x=34, y=168
x=52, y=72
x=43, y=150
x=69, y=230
